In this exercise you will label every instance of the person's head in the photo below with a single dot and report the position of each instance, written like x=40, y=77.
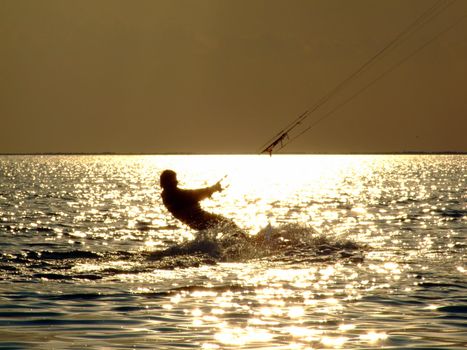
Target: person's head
x=168, y=179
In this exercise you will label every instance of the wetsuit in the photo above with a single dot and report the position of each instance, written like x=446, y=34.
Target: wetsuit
x=184, y=205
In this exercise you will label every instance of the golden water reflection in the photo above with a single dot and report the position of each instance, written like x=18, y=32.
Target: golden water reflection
x=410, y=219
x=294, y=308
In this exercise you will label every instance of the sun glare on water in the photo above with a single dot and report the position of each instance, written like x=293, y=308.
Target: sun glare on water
x=347, y=252
x=340, y=246
x=260, y=191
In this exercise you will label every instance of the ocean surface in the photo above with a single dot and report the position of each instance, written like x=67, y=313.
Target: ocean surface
x=350, y=252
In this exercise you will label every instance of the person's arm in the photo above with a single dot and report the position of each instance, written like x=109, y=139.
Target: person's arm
x=203, y=193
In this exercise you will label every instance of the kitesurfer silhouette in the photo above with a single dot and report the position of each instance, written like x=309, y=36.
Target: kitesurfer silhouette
x=184, y=204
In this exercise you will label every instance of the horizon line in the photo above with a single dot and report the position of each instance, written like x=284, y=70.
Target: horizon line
x=233, y=153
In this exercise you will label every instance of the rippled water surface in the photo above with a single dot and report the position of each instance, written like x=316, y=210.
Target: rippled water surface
x=361, y=252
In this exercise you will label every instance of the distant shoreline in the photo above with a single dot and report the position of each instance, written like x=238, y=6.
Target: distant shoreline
x=246, y=154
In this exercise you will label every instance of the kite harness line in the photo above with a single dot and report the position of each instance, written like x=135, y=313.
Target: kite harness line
x=280, y=140
x=284, y=137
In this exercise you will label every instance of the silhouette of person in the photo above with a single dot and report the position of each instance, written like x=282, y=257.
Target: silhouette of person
x=184, y=204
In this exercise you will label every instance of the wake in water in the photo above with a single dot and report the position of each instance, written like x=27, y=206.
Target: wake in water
x=289, y=242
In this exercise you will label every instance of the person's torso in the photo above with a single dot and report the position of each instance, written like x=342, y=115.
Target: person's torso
x=180, y=202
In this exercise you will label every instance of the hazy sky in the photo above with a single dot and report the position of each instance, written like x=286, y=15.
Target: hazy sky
x=225, y=76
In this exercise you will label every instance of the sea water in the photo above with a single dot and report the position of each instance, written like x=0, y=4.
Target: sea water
x=351, y=252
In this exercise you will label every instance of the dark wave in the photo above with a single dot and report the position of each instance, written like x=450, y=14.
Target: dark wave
x=441, y=285
x=452, y=214
x=61, y=255
x=458, y=309
x=58, y=276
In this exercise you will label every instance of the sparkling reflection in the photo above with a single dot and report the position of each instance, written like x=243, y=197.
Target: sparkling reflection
x=242, y=336
x=91, y=224
x=373, y=337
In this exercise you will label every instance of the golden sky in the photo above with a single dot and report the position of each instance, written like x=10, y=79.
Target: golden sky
x=215, y=76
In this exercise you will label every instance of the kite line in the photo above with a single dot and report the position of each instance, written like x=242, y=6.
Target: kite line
x=283, y=137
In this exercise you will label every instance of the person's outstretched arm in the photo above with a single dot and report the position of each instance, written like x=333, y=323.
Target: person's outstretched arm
x=203, y=193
